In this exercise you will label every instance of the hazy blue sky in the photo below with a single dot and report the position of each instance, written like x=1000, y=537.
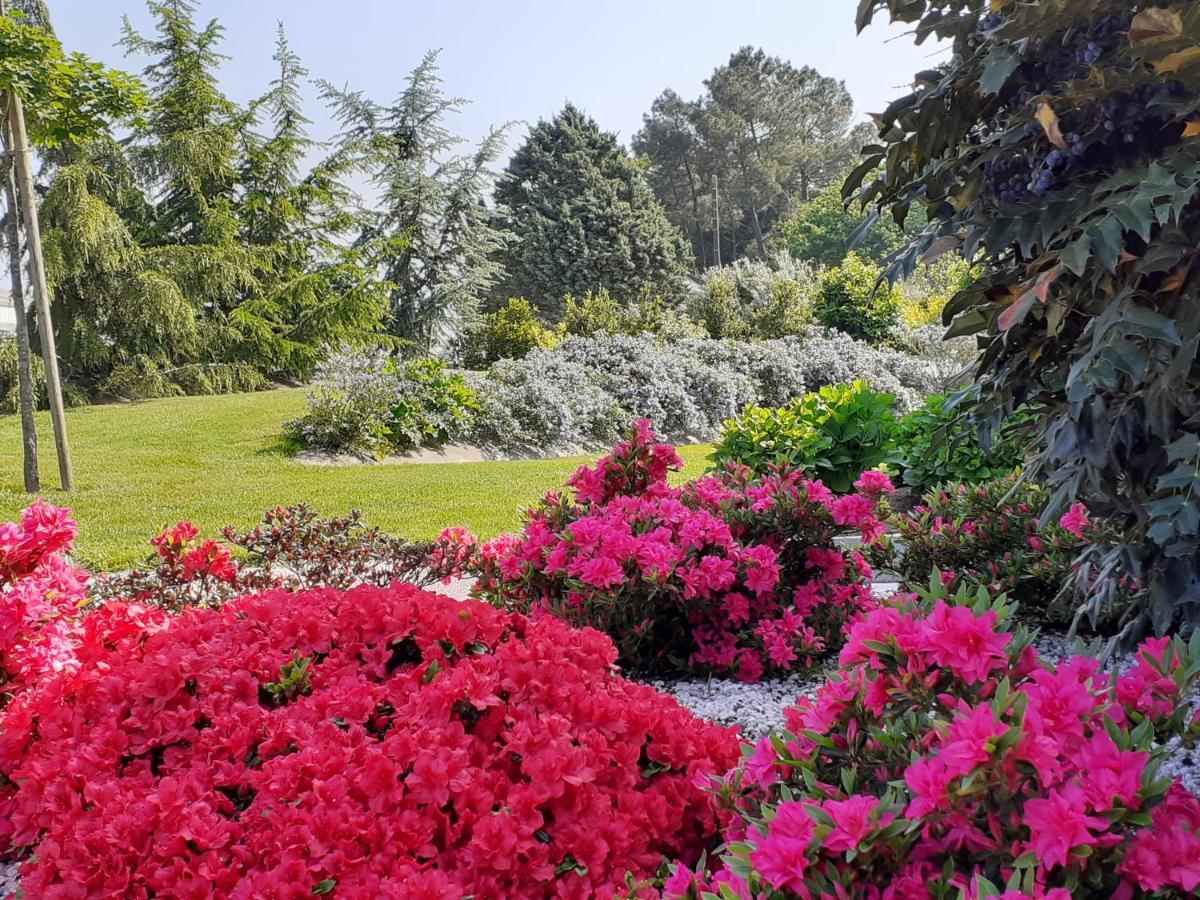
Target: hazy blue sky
x=519, y=60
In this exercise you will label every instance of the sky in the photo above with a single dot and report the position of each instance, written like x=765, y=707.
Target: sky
x=521, y=60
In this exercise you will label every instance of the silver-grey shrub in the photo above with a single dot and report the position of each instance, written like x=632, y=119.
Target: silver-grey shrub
x=585, y=391
x=351, y=401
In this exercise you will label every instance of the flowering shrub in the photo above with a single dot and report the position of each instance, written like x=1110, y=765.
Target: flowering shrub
x=369, y=402
x=41, y=633
x=989, y=534
x=369, y=743
x=945, y=759
x=291, y=547
x=39, y=593
x=833, y=434
x=732, y=573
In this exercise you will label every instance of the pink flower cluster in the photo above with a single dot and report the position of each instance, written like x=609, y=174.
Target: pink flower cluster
x=39, y=593
x=946, y=758
x=731, y=573
x=367, y=743
x=991, y=535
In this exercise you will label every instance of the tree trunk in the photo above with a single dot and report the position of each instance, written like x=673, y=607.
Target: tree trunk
x=758, y=235
x=41, y=295
x=24, y=357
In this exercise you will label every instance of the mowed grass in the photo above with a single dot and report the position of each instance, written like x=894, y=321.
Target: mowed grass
x=219, y=460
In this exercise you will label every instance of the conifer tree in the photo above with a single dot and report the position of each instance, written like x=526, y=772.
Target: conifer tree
x=432, y=233
x=583, y=218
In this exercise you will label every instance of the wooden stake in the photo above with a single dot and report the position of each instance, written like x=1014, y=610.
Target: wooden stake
x=717, y=219
x=41, y=296
x=29, y=458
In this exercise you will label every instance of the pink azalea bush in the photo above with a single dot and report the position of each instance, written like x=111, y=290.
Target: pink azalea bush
x=946, y=759
x=990, y=535
x=40, y=591
x=733, y=573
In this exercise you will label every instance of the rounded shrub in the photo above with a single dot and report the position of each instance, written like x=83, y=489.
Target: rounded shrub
x=377, y=742
x=731, y=574
x=936, y=444
x=854, y=298
x=833, y=434
x=514, y=331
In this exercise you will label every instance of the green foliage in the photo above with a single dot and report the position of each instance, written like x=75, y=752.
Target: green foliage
x=930, y=287
x=769, y=132
x=651, y=314
x=822, y=232
x=767, y=299
x=834, y=434
x=295, y=679
x=719, y=310
x=937, y=444
x=515, y=330
x=432, y=407
x=1057, y=147
x=592, y=313
x=67, y=97
x=785, y=313
x=851, y=298
x=582, y=218
x=9, y=398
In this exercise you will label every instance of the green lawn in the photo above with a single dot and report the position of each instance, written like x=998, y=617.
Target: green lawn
x=217, y=460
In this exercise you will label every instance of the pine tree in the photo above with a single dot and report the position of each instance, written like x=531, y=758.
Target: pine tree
x=583, y=218
x=772, y=133
x=316, y=289
x=432, y=232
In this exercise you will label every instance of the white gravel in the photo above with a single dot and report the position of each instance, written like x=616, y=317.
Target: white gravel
x=10, y=883
x=758, y=708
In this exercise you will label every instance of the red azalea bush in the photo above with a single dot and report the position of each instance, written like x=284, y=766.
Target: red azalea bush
x=370, y=743
x=945, y=759
x=42, y=634
x=732, y=573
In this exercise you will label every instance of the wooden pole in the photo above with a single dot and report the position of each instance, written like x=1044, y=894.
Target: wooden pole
x=717, y=219
x=29, y=458
x=41, y=295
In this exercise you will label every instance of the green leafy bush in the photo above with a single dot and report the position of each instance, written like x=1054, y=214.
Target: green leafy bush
x=592, y=313
x=785, y=313
x=929, y=288
x=834, y=434
x=10, y=400
x=718, y=309
x=369, y=402
x=936, y=445
x=432, y=407
x=1058, y=143
x=851, y=298
x=514, y=330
